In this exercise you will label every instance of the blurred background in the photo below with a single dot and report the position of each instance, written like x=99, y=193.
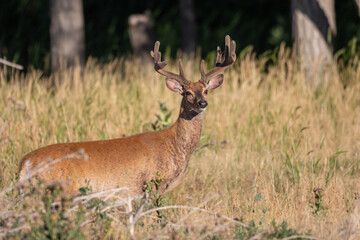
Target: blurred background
x=31, y=30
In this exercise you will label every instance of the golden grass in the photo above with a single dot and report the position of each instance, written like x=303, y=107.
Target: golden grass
x=283, y=138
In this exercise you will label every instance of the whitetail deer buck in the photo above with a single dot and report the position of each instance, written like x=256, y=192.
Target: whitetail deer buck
x=131, y=161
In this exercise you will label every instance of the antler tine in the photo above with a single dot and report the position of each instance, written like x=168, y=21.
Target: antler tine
x=181, y=69
x=218, y=56
x=202, y=71
x=159, y=66
x=229, y=56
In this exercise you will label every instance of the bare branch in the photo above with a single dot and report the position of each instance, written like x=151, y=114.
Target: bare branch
x=10, y=64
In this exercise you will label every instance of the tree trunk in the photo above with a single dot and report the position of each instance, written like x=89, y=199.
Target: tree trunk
x=188, y=26
x=141, y=35
x=358, y=5
x=67, y=34
x=314, y=33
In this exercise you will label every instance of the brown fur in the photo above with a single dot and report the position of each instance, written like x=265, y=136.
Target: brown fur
x=128, y=161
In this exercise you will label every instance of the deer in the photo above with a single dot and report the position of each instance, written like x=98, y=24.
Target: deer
x=134, y=160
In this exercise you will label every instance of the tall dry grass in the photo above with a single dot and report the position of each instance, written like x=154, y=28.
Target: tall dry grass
x=268, y=138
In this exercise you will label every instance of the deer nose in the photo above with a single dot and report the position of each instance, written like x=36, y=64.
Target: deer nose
x=202, y=103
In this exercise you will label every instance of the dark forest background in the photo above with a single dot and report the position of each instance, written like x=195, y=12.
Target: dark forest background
x=263, y=24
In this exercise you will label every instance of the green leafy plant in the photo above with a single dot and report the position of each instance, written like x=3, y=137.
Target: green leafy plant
x=317, y=204
x=51, y=220
x=242, y=232
x=162, y=119
x=282, y=231
x=277, y=232
x=100, y=219
x=155, y=189
x=86, y=189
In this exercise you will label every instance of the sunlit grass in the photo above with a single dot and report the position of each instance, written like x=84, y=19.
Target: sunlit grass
x=280, y=138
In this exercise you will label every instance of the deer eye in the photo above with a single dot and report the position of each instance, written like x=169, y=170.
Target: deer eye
x=188, y=93
x=206, y=91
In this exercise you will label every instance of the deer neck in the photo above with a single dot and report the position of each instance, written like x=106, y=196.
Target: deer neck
x=188, y=130
x=186, y=133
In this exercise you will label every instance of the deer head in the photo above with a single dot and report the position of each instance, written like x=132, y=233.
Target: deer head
x=195, y=93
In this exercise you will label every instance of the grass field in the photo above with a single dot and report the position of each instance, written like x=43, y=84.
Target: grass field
x=272, y=150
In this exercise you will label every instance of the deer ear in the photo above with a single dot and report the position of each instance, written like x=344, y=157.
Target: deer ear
x=215, y=82
x=173, y=85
